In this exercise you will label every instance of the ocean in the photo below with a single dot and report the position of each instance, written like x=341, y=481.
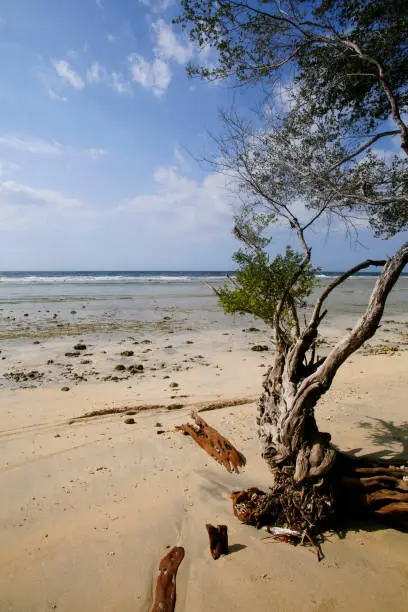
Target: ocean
x=32, y=302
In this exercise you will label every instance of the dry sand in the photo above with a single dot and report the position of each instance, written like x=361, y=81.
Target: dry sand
x=88, y=508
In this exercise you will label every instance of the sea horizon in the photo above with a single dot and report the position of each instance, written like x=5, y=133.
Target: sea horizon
x=153, y=273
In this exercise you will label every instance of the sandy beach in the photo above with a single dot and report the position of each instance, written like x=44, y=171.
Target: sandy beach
x=90, y=506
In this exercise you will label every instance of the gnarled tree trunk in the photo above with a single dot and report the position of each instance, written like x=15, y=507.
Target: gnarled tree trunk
x=291, y=442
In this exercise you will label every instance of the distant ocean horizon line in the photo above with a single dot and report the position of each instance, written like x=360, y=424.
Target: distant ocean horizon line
x=153, y=273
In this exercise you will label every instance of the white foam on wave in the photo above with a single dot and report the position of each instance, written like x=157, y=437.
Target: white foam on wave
x=96, y=279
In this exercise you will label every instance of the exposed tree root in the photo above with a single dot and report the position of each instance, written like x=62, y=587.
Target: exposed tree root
x=352, y=488
x=301, y=507
x=214, y=444
x=165, y=595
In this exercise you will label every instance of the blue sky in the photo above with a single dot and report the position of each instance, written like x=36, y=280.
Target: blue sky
x=97, y=117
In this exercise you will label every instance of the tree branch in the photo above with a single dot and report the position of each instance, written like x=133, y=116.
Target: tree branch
x=315, y=319
x=363, y=148
x=395, y=112
x=316, y=385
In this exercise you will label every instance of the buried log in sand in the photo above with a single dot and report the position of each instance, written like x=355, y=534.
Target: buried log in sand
x=218, y=540
x=214, y=443
x=165, y=595
x=198, y=406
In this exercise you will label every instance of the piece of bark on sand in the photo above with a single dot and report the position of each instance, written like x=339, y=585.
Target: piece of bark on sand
x=214, y=443
x=165, y=595
x=218, y=540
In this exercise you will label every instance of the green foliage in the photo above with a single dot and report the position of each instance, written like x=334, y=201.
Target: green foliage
x=255, y=39
x=376, y=177
x=259, y=282
x=339, y=79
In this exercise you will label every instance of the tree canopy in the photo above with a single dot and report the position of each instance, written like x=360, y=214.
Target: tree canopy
x=344, y=65
x=347, y=56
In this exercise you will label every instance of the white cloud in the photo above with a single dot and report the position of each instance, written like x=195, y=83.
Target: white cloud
x=66, y=73
x=23, y=207
x=72, y=54
x=157, y=6
x=55, y=95
x=7, y=167
x=181, y=160
x=154, y=75
x=181, y=205
x=95, y=153
x=111, y=38
x=168, y=46
x=118, y=83
x=96, y=73
x=36, y=145
x=27, y=196
x=99, y=4
x=40, y=146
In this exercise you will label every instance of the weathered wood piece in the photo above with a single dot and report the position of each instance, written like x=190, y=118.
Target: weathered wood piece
x=218, y=540
x=165, y=595
x=214, y=444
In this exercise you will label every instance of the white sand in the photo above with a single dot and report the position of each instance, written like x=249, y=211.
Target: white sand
x=86, y=516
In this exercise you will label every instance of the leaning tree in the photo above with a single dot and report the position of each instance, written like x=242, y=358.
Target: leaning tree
x=345, y=69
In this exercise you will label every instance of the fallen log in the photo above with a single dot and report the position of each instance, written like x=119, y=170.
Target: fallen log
x=214, y=444
x=218, y=540
x=165, y=595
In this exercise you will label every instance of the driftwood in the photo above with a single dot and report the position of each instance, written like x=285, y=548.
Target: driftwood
x=218, y=540
x=165, y=596
x=214, y=444
x=198, y=406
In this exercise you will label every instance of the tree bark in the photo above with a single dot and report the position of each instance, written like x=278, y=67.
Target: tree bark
x=289, y=437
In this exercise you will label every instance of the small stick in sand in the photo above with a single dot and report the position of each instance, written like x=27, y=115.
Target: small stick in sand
x=214, y=444
x=218, y=540
x=165, y=596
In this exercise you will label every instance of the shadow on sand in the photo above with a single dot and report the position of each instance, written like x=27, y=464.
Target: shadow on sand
x=383, y=433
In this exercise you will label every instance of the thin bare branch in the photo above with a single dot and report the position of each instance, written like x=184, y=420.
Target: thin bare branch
x=315, y=319
x=316, y=385
x=367, y=145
